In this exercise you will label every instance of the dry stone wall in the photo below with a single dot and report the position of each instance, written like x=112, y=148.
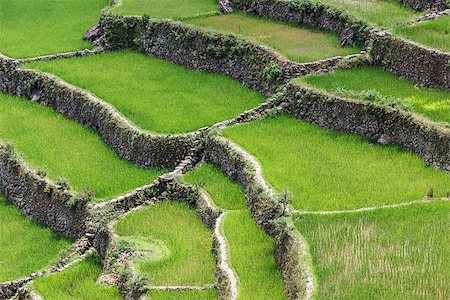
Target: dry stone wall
x=421, y=65
x=425, y=4
x=378, y=123
x=135, y=145
x=39, y=198
x=309, y=14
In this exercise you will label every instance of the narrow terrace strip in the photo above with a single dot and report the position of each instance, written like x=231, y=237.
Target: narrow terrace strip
x=293, y=42
x=174, y=9
x=378, y=86
x=156, y=95
x=63, y=148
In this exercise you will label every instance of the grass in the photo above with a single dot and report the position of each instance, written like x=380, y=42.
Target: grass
x=295, y=43
x=431, y=103
x=39, y=27
x=180, y=240
x=378, y=13
x=65, y=148
x=223, y=191
x=25, y=246
x=208, y=294
x=434, y=33
x=155, y=94
x=327, y=170
x=397, y=253
x=77, y=282
x=167, y=9
x=251, y=255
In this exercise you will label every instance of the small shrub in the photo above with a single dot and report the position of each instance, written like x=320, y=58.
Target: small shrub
x=62, y=183
x=273, y=72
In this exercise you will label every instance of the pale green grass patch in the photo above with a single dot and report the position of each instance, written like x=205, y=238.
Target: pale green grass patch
x=79, y=282
x=155, y=94
x=378, y=13
x=251, y=255
x=295, y=43
x=399, y=253
x=327, y=170
x=187, y=240
x=38, y=27
x=46, y=139
x=434, y=33
x=431, y=103
x=167, y=9
x=26, y=247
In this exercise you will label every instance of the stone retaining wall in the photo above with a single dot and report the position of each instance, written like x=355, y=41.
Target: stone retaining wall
x=39, y=198
x=133, y=144
x=378, y=123
x=425, y=4
x=309, y=14
x=420, y=64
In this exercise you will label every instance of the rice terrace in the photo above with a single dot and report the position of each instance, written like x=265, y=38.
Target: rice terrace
x=224, y=149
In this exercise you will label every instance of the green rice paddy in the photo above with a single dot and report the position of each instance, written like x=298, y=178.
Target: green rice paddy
x=223, y=191
x=327, y=170
x=38, y=27
x=46, y=139
x=26, y=247
x=178, y=245
x=155, y=94
x=208, y=294
x=434, y=33
x=167, y=9
x=293, y=42
x=378, y=13
x=79, y=282
x=431, y=103
x=399, y=253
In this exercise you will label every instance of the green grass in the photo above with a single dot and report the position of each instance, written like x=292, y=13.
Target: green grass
x=25, y=246
x=378, y=13
x=155, y=94
x=208, y=294
x=167, y=9
x=251, y=255
x=431, y=103
x=39, y=27
x=434, y=33
x=77, y=282
x=180, y=243
x=65, y=148
x=223, y=191
x=397, y=253
x=295, y=43
x=327, y=170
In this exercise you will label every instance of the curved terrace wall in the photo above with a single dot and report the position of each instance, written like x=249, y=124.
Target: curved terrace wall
x=135, y=145
x=420, y=64
x=425, y=4
x=40, y=198
x=308, y=14
x=379, y=123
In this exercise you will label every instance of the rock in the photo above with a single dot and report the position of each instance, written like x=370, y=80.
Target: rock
x=93, y=33
x=346, y=37
x=384, y=139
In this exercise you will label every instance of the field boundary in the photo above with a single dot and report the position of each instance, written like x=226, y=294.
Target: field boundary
x=365, y=209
